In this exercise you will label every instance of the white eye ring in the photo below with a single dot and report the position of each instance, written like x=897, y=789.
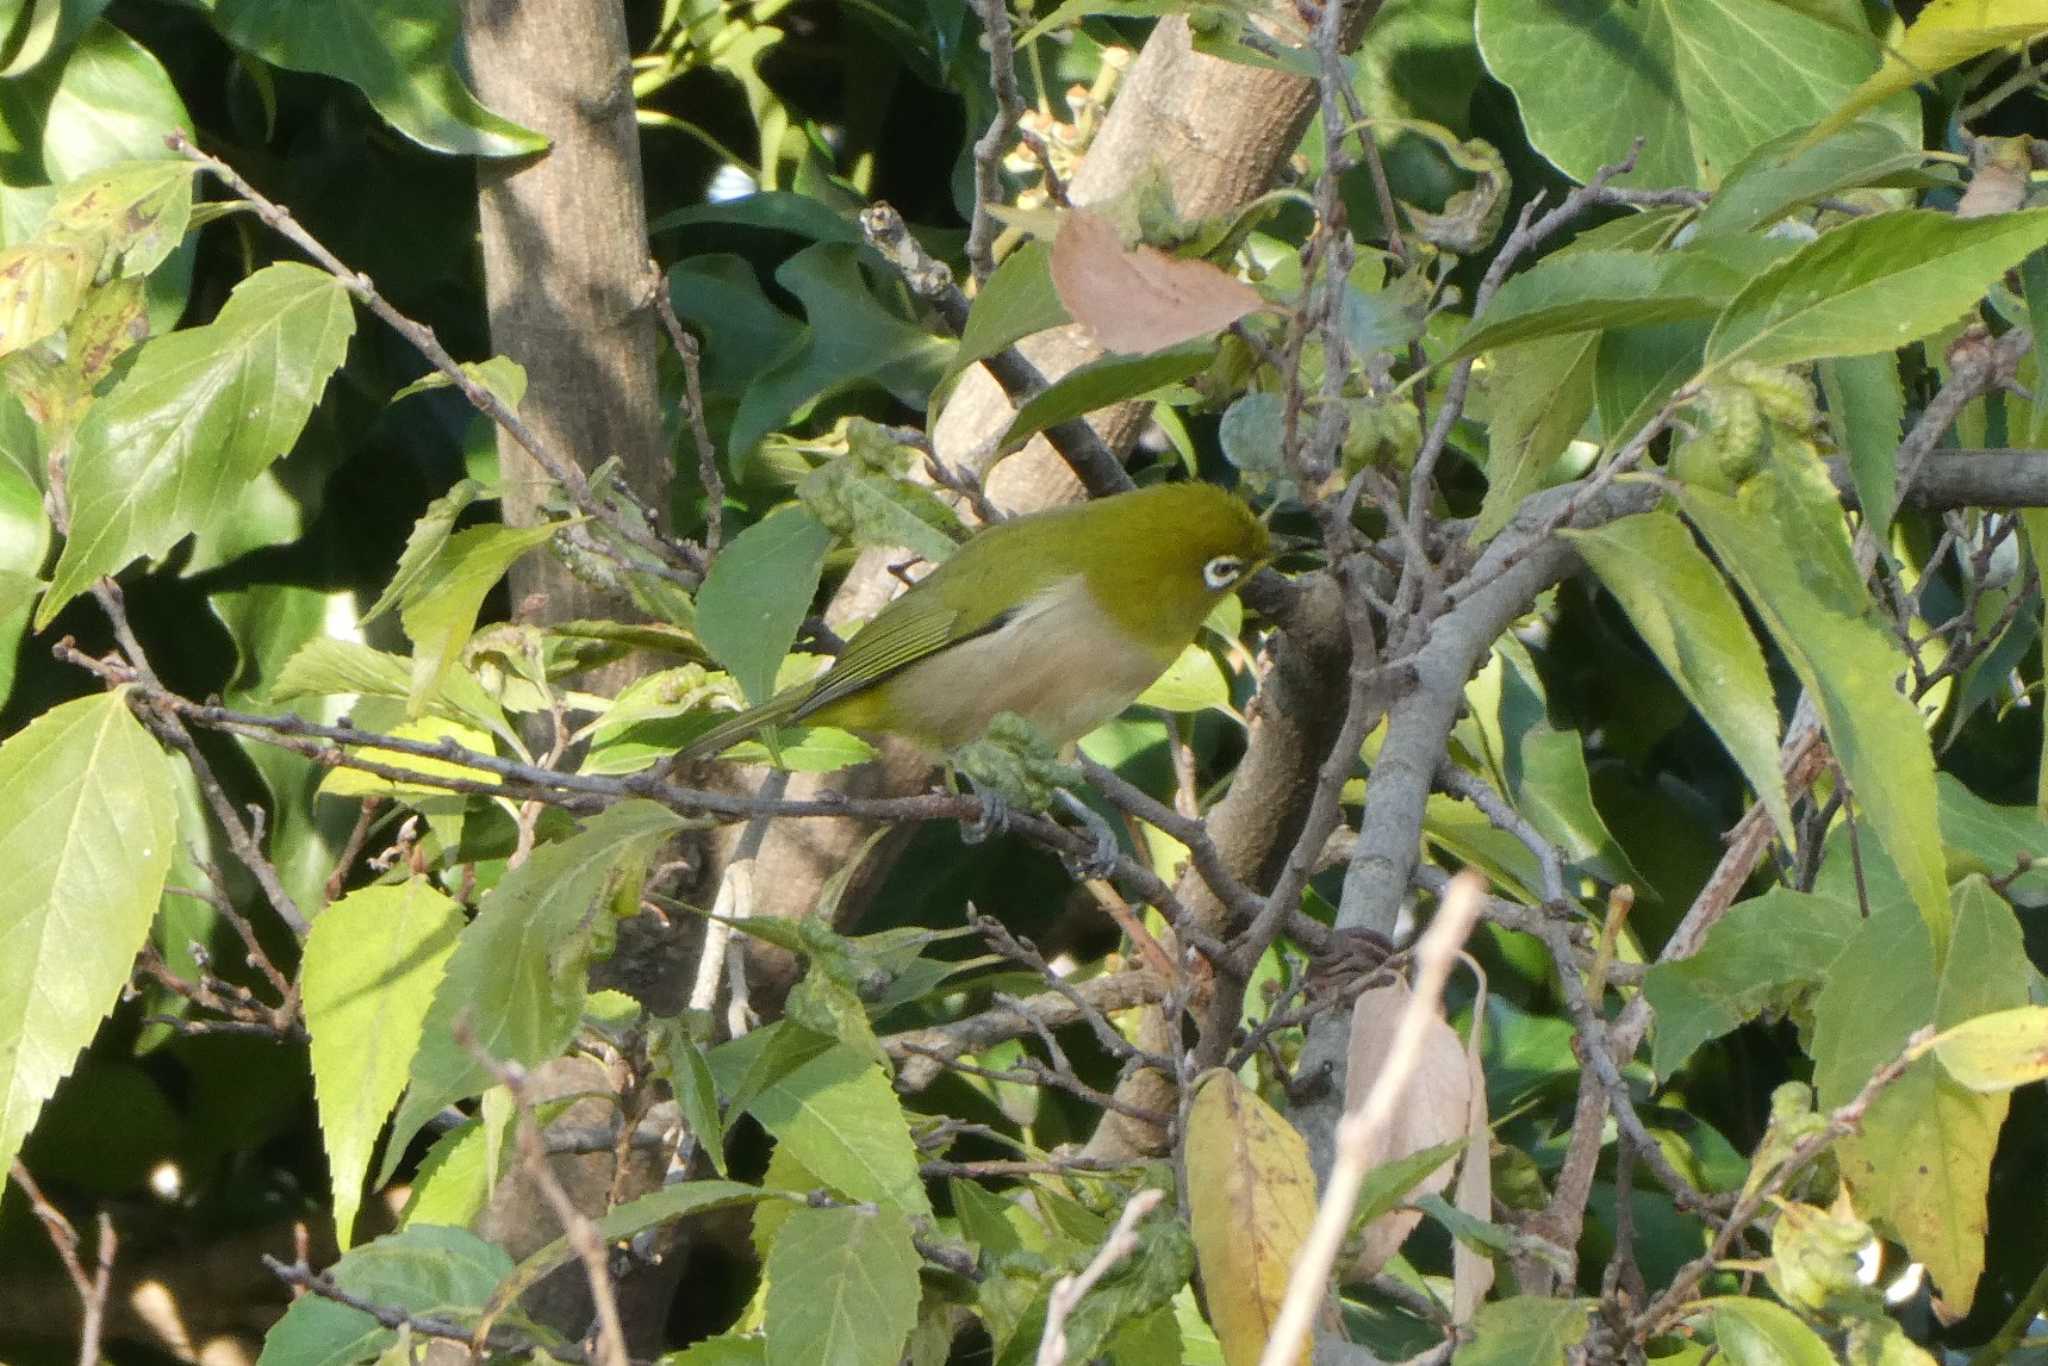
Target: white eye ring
x=1222, y=571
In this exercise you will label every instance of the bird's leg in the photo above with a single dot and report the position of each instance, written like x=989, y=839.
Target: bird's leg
x=1102, y=860
x=995, y=811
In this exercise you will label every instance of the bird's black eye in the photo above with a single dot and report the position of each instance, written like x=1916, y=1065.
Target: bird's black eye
x=1222, y=571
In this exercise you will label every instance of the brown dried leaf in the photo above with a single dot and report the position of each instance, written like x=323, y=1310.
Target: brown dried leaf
x=1142, y=300
x=1251, y=1200
x=1433, y=1108
x=1998, y=177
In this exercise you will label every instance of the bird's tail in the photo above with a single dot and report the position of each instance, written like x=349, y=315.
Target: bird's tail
x=742, y=726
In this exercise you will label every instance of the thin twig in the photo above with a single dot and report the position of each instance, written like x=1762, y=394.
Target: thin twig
x=1068, y=1291
x=92, y=1288
x=302, y=1277
x=691, y=356
x=577, y=1227
x=171, y=730
x=994, y=143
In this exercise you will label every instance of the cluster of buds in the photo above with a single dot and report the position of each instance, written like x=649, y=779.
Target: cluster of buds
x=1046, y=144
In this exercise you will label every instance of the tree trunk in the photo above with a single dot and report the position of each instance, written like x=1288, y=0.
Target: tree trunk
x=566, y=265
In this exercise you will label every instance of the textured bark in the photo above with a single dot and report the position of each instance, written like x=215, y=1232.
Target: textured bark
x=565, y=264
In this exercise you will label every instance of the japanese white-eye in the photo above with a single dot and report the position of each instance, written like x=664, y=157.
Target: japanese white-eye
x=1062, y=617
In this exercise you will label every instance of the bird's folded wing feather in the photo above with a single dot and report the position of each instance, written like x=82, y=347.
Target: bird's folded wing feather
x=898, y=638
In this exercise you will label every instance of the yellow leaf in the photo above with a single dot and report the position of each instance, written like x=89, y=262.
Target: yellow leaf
x=1251, y=1199
x=1998, y=1051
x=1946, y=34
x=355, y=782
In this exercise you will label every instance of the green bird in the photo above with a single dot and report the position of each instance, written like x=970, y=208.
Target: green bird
x=1062, y=617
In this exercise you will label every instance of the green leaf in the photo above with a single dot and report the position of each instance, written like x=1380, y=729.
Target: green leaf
x=134, y=212
x=1193, y=682
x=86, y=844
x=1540, y=394
x=1703, y=82
x=1782, y=174
x=1638, y=371
x=1386, y=1186
x=501, y=377
x=113, y=102
x=1944, y=34
x=201, y=413
x=326, y=667
x=804, y=749
x=1998, y=1051
x=439, y=614
x=839, y=1118
x=516, y=979
x=445, y=1273
x=757, y=594
x=24, y=536
x=865, y=498
x=721, y=1351
x=682, y=1063
x=1866, y=410
x=1683, y=611
x=48, y=26
x=1550, y=785
x=1872, y=285
x=621, y=1222
x=399, y=53
x=428, y=537
x=1764, y=945
x=1920, y=1167
x=1846, y=662
x=1251, y=433
x=1017, y=302
x=1523, y=1330
x=850, y=338
x=1100, y=383
x=1581, y=291
x=1991, y=840
x=453, y=1180
x=776, y=209
x=1755, y=1332
x=744, y=334
x=41, y=286
x=842, y=1288
x=369, y=972
x=1875, y=995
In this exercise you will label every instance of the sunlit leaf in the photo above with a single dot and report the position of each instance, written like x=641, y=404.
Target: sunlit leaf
x=370, y=968
x=399, y=53
x=87, y=848
x=202, y=412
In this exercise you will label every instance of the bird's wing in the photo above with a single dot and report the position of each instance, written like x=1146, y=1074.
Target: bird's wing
x=910, y=630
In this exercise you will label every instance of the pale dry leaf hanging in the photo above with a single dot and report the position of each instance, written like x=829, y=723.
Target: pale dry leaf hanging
x=1998, y=177
x=1472, y=1270
x=1432, y=1109
x=1142, y=300
x=1251, y=1200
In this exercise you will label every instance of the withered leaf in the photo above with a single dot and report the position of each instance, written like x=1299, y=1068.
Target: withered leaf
x=1142, y=300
